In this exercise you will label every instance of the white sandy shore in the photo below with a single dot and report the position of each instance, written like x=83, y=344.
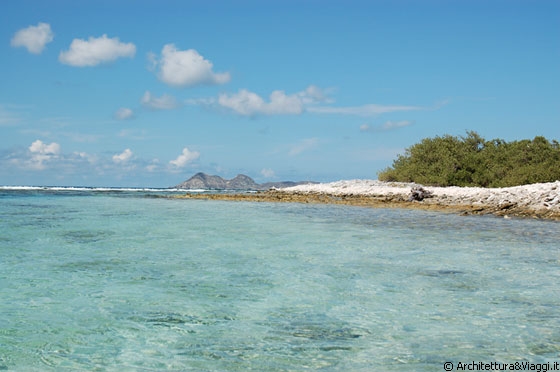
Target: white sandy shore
x=537, y=197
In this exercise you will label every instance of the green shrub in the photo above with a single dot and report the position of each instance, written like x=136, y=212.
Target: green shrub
x=473, y=161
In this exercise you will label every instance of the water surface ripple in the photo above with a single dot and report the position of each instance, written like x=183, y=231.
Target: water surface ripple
x=112, y=282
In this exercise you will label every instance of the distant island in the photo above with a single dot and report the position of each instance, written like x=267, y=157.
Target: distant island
x=240, y=182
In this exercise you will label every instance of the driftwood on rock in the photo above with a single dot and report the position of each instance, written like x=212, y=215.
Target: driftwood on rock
x=418, y=193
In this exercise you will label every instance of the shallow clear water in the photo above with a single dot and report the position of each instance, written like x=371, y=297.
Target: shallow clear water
x=123, y=282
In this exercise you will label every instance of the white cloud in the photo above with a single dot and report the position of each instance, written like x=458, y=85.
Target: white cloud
x=313, y=99
x=152, y=61
x=165, y=102
x=313, y=94
x=124, y=113
x=186, y=157
x=396, y=124
x=39, y=155
x=303, y=145
x=267, y=172
x=95, y=51
x=201, y=101
x=83, y=156
x=38, y=147
x=49, y=157
x=123, y=157
x=365, y=110
x=34, y=38
x=153, y=166
x=388, y=125
x=365, y=128
x=185, y=68
x=247, y=103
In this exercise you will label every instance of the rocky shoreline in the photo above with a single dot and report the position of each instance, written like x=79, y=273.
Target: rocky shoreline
x=535, y=201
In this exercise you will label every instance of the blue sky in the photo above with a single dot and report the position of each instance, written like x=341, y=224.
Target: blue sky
x=147, y=93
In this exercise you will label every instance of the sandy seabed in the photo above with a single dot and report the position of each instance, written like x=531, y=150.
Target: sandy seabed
x=540, y=200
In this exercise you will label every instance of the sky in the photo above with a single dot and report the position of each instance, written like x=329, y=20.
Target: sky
x=147, y=93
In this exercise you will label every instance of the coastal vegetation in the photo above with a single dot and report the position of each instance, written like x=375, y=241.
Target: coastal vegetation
x=471, y=160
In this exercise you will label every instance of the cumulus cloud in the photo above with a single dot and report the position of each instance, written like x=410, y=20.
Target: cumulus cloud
x=124, y=113
x=186, y=157
x=303, y=145
x=165, y=102
x=48, y=157
x=247, y=103
x=183, y=68
x=123, y=157
x=33, y=38
x=38, y=156
x=38, y=147
x=94, y=51
x=312, y=99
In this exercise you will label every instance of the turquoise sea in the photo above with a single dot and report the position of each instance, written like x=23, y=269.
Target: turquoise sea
x=128, y=280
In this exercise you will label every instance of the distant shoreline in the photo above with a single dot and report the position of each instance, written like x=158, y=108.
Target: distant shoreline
x=540, y=201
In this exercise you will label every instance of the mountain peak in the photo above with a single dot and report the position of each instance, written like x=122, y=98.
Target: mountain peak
x=210, y=182
x=240, y=182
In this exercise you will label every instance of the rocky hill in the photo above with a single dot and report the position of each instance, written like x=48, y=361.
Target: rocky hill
x=240, y=182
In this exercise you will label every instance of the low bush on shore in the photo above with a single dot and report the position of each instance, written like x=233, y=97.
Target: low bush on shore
x=471, y=160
